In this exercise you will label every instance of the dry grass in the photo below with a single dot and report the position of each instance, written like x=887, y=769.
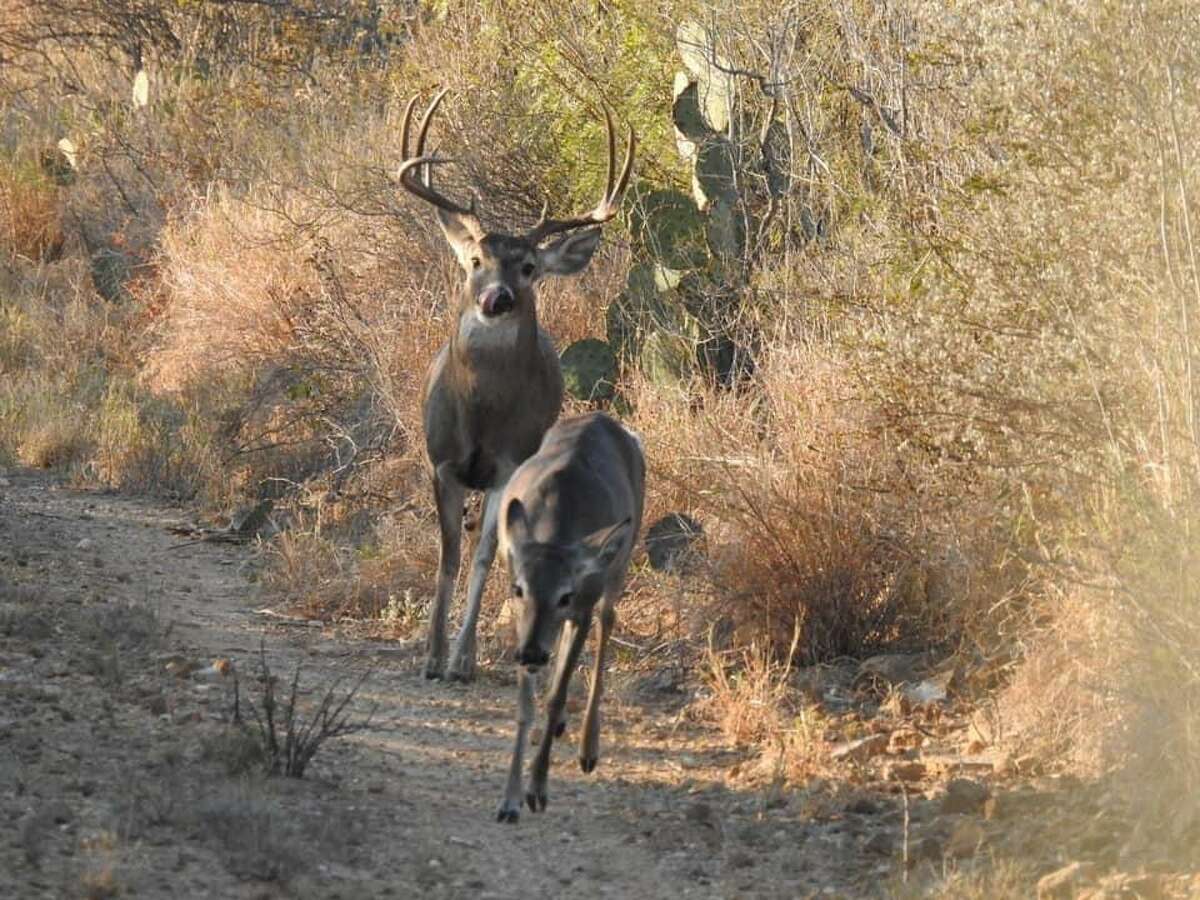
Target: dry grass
x=750, y=699
x=31, y=225
x=993, y=881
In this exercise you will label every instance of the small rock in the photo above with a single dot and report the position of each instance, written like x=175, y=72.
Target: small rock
x=740, y=859
x=892, y=668
x=699, y=812
x=904, y=739
x=863, y=806
x=1028, y=765
x=58, y=812
x=925, y=693
x=1063, y=882
x=219, y=669
x=672, y=543
x=85, y=544
x=964, y=795
x=862, y=749
x=906, y=771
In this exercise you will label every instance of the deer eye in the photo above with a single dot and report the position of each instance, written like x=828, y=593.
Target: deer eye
x=565, y=600
x=517, y=591
x=475, y=263
x=528, y=269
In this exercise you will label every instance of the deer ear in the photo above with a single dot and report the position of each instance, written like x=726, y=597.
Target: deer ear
x=569, y=254
x=516, y=523
x=603, y=546
x=458, y=235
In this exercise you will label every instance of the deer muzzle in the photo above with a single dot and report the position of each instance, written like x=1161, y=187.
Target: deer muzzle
x=532, y=656
x=496, y=300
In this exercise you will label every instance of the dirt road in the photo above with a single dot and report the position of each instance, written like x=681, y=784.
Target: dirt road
x=119, y=775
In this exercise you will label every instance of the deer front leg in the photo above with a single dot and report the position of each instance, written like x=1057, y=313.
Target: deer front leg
x=589, y=744
x=510, y=807
x=564, y=666
x=449, y=496
x=462, y=663
x=565, y=637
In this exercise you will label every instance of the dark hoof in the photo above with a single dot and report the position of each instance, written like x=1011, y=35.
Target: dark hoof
x=460, y=677
x=432, y=672
x=508, y=816
x=536, y=802
x=560, y=729
x=588, y=764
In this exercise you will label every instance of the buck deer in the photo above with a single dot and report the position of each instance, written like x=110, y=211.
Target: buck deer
x=568, y=519
x=495, y=387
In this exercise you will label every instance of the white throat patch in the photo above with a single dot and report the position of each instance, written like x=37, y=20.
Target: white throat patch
x=479, y=333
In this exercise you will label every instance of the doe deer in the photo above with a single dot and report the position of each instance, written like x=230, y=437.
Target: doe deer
x=568, y=520
x=495, y=386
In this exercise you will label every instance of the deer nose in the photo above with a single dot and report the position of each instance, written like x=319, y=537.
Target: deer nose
x=532, y=656
x=496, y=300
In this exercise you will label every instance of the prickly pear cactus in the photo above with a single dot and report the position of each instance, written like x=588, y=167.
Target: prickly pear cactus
x=714, y=175
x=589, y=369
x=679, y=309
x=629, y=313
x=668, y=228
x=690, y=127
x=710, y=70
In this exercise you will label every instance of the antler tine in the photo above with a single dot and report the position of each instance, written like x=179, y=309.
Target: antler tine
x=612, y=152
x=427, y=119
x=424, y=188
x=406, y=125
x=609, y=203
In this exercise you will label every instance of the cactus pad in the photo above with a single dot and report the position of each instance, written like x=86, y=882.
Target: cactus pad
x=670, y=229
x=589, y=370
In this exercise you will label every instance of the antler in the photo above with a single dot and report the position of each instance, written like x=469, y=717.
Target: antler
x=407, y=172
x=609, y=203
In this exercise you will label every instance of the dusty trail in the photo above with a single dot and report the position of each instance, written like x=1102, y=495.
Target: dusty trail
x=112, y=778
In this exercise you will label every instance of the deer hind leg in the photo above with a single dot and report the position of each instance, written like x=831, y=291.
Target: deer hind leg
x=571, y=642
x=510, y=806
x=449, y=496
x=589, y=743
x=462, y=663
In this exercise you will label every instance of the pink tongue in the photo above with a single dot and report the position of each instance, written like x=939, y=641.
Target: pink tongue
x=489, y=304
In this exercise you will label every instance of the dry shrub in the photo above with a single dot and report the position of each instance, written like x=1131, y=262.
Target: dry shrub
x=235, y=288
x=40, y=425
x=30, y=214
x=814, y=528
x=1058, y=703
x=325, y=570
x=1156, y=679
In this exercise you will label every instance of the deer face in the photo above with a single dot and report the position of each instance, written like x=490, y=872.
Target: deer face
x=553, y=582
x=501, y=271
